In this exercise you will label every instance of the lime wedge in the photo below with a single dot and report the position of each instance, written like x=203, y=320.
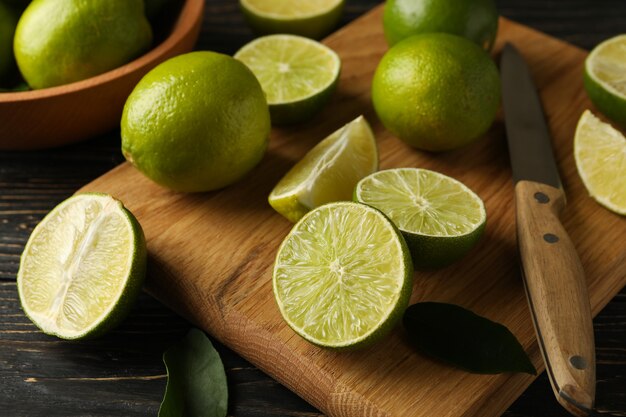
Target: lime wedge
x=82, y=267
x=604, y=78
x=298, y=75
x=440, y=218
x=310, y=18
x=328, y=172
x=343, y=276
x=600, y=153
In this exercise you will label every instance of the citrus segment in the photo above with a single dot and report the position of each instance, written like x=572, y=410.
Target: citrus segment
x=310, y=18
x=298, y=75
x=342, y=277
x=604, y=78
x=600, y=153
x=328, y=172
x=82, y=267
x=441, y=218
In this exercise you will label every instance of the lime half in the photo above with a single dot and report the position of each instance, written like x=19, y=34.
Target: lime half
x=604, y=78
x=82, y=267
x=328, y=172
x=298, y=75
x=600, y=153
x=343, y=276
x=440, y=218
x=310, y=18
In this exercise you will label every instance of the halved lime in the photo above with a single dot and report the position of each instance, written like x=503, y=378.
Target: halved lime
x=600, y=153
x=83, y=267
x=440, y=218
x=604, y=78
x=310, y=18
x=328, y=172
x=343, y=276
x=298, y=75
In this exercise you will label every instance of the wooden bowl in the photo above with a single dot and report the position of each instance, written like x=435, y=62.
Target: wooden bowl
x=69, y=113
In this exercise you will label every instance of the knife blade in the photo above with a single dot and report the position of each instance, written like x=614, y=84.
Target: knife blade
x=553, y=275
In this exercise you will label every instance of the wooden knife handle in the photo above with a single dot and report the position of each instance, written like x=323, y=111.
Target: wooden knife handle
x=557, y=294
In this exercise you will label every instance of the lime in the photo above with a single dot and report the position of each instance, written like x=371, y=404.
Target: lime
x=83, y=267
x=196, y=122
x=310, y=18
x=343, y=276
x=297, y=74
x=600, y=153
x=604, y=78
x=63, y=41
x=436, y=91
x=476, y=20
x=440, y=218
x=328, y=172
x=8, y=20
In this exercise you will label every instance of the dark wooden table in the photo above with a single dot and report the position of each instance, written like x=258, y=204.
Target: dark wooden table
x=122, y=374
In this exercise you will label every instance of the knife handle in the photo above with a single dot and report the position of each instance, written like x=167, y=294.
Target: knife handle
x=557, y=294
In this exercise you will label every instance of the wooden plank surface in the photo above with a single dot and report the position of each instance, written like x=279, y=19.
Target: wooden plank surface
x=212, y=253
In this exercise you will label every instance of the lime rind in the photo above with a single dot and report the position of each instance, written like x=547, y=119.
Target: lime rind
x=57, y=297
x=297, y=74
x=328, y=172
x=343, y=276
x=440, y=218
x=604, y=78
x=600, y=154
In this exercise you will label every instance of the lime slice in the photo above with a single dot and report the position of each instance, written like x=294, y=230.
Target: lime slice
x=298, y=75
x=343, y=276
x=440, y=218
x=310, y=18
x=328, y=172
x=600, y=153
x=604, y=78
x=82, y=267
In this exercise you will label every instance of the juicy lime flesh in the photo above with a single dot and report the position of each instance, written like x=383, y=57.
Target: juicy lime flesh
x=600, y=152
x=331, y=170
x=608, y=64
x=423, y=202
x=290, y=8
x=290, y=68
x=76, y=265
x=339, y=274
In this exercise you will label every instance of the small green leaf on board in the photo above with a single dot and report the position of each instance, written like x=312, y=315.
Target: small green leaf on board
x=461, y=338
x=196, y=381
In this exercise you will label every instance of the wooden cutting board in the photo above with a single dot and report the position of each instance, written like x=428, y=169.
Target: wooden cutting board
x=212, y=254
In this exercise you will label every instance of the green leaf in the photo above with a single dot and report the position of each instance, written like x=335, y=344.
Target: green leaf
x=196, y=381
x=461, y=338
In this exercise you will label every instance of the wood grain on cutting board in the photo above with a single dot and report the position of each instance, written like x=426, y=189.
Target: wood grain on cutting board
x=212, y=254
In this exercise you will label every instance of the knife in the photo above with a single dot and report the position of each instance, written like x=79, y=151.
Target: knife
x=553, y=275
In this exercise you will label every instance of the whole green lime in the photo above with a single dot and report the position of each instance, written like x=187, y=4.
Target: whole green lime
x=436, y=91
x=8, y=20
x=197, y=122
x=62, y=41
x=476, y=20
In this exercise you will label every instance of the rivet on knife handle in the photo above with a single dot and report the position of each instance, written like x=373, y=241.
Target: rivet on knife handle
x=557, y=293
